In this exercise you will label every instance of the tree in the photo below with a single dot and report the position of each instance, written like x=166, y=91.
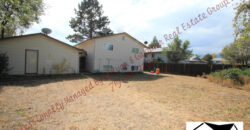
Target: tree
x=177, y=50
x=229, y=52
x=88, y=22
x=105, y=32
x=17, y=15
x=155, y=43
x=233, y=53
x=213, y=55
x=207, y=58
x=241, y=20
x=239, y=50
x=197, y=55
x=242, y=30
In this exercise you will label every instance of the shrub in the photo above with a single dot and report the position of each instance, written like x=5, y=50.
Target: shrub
x=232, y=74
x=4, y=64
x=233, y=77
x=246, y=72
x=217, y=74
x=62, y=67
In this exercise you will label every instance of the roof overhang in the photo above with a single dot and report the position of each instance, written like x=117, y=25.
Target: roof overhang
x=124, y=33
x=46, y=36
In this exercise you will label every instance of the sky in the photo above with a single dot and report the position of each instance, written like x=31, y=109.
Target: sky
x=144, y=19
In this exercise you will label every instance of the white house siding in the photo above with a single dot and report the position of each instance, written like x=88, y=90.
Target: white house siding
x=122, y=51
x=51, y=53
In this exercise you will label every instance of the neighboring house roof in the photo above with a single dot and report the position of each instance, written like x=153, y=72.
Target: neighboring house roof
x=153, y=50
x=115, y=35
x=35, y=34
x=219, y=59
x=196, y=59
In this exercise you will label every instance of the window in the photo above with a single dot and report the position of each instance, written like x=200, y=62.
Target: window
x=134, y=68
x=108, y=47
x=107, y=68
x=135, y=50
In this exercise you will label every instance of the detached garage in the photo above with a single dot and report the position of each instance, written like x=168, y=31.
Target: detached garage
x=41, y=54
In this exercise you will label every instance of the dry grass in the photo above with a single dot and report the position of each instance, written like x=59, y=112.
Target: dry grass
x=144, y=102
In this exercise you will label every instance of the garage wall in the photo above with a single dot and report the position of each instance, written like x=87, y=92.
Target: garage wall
x=51, y=53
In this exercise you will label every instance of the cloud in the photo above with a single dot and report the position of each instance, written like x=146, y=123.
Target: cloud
x=144, y=19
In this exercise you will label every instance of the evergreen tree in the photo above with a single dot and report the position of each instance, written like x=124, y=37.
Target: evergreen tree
x=89, y=21
x=155, y=43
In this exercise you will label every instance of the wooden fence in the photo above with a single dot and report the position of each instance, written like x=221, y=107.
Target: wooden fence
x=186, y=69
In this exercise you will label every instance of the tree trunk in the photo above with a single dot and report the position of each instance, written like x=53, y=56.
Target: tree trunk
x=3, y=30
x=91, y=29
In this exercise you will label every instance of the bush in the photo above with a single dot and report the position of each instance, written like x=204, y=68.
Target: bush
x=217, y=74
x=246, y=72
x=4, y=64
x=234, y=76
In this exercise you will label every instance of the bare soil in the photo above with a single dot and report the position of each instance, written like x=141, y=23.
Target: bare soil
x=144, y=101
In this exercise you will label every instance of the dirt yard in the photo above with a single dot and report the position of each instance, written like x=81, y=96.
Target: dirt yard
x=145, y=101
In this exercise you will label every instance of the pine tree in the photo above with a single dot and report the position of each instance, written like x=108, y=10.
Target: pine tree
x=155, y=43
x=88, y=22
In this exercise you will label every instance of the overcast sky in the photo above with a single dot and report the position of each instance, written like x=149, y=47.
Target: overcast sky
x=144, y=19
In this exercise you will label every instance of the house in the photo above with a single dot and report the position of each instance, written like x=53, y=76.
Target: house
x=113, y=53
x=219, y=61
x=154, y=55
x=40, y=54
x=194, y=60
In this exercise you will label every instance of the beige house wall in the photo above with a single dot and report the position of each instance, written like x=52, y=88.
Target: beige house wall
x=122, y=51
x=51, y=53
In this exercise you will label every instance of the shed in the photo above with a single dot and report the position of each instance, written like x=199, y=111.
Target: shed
x=40, y=54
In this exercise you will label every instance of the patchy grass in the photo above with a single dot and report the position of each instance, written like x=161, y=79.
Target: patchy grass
x=21, y=112
x=143, y=101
